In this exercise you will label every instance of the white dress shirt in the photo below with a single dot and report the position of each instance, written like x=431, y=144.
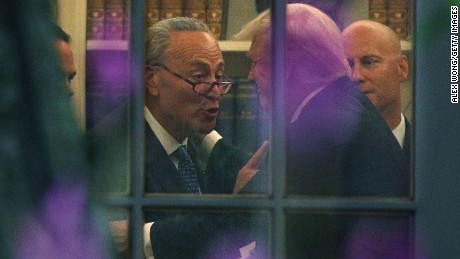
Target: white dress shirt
x=168, y=142
x=400, y=131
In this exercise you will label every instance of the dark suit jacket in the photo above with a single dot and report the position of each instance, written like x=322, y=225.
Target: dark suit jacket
x=218, y=177
x=178, y=233
x=407, y=145
x=187, y=234
x=341, y=146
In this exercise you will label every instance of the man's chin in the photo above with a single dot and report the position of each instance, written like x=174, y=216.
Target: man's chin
x=372, y=98
x=207, y=128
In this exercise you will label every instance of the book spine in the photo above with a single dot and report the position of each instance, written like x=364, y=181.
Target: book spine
x=214, y=13
x=247, y=129
x=170, y=9
x=107, y=83
x=95, y=20
x=378, y=11
x=397, y=17
x=195, y=9
x=114, y=17
x=226, y=121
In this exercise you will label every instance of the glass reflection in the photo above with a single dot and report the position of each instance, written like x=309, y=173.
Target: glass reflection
x=244, y=121
x=337, y=142
x=348, y=235
x=207, y=234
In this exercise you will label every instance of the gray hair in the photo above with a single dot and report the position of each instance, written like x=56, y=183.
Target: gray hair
x=157, y=39
x=314, y=46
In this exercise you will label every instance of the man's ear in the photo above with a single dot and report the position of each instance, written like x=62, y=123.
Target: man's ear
x=151, y=80
x=403, y=69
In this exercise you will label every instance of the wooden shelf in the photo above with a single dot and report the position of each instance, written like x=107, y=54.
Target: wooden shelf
x=406, y=45
x=107, y=45
x=225, y=45
x=229, y=45
x=123, y=45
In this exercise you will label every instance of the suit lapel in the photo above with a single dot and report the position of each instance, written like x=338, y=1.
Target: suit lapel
x=160, y=173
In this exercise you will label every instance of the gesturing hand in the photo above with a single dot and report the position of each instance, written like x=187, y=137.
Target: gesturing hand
x=250, y=169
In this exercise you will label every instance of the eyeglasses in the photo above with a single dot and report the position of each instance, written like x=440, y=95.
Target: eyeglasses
x=203, y=88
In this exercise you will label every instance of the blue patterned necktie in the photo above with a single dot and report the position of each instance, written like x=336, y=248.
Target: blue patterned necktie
x=187, y=170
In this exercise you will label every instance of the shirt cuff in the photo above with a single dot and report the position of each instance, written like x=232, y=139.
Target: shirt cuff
x=148, y=251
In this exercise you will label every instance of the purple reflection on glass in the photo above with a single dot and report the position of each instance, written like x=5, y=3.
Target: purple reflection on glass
x=379, y=238
x=62, y=227
x=107, y=73
x=238, y=245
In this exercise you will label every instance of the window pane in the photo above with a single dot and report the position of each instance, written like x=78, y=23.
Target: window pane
x=107, y=116
x=339, y=135
x=331, y=234
x=189, y=233
x=119, y=228
x=337, y=144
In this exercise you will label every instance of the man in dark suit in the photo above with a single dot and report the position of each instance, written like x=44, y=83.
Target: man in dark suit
x=44, y=189
x=332, y=127
x=378, y=66
x=184, y=82
x=337, y=142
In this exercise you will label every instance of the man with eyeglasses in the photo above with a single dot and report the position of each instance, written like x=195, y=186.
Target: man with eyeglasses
x=184, y=82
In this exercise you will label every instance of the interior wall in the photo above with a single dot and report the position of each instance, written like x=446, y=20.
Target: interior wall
x=240, y=12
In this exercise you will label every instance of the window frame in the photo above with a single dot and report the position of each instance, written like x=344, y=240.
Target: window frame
x=432, y=234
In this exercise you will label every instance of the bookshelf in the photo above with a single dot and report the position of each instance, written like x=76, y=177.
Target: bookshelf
x=107, y=45
x=237, y=65
x=72, y=16
x=234, y=46
x=225, y=45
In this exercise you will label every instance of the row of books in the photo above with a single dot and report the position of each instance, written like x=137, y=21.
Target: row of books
x=397, y=14
x=109, y=19
x=240, y=120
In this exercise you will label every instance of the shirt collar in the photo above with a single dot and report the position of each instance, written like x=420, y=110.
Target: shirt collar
x=168, y=142
x=400, y=131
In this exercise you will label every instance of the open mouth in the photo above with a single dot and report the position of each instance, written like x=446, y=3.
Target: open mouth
x=212, y=111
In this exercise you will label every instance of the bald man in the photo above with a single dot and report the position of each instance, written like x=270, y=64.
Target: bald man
x=378, y=66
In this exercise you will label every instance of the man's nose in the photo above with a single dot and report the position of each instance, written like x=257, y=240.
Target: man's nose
x=215, y=93
x=356, y=74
